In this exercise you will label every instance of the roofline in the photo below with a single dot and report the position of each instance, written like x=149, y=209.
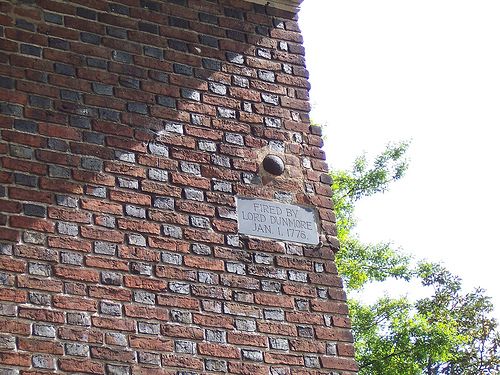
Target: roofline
x=288, y=5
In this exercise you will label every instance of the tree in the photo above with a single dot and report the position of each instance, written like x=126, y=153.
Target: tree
x=449, y=332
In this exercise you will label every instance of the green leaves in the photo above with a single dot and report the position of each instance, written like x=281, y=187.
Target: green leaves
x=448, y=332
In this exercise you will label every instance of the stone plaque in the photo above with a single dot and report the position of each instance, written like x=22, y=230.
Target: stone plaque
x=286, y=222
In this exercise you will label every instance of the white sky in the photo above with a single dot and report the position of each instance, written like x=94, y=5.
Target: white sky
x=429, y=71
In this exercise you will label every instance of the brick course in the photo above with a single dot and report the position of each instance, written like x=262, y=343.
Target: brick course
x=127, y=127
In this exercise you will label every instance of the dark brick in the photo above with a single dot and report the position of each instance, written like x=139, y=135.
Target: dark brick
x=166, y=101
x=235, y=58
x=178, y=22
x=64, y=69
x=92, y=164
x=211, y=64
x=25, y=179
x=316, y=130
x=151, y=5
x=102, y=89
x=58, y=43
x=178, y=2
x=7, y=83
x=191, y=94
x=11, y=109
x=123, y=57
x=69, y=95
x=130, y=83
x=86, y=13
x=116, y=32
x=119, y=8
x=79, y=122
x=57, y=144
x=40, y=101
x=234, y=13
x=183, y=69
x=159, y=76
x=97, y=63
x=95, y=138
x=26, y=126
x=29, y=49
x=23, y=24
x=149, y=27
x=53, y=18
x=236, y=35
x=209, y=41
x=109, y=114
x=261, y=9
x=178, y=45
x=90, y=38
x=262, y=30
x=34, y=210
x=137, y=108
x=208, y=18
x=326, y=179
x=157, y=53
x=59, y=172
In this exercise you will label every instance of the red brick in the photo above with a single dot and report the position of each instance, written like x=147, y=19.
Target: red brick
x=146, y=312
x=9, y=234
x=15, y=359
x=69, y=215
x=60, y=186
x=213, y=321
x=70, y=244
x=277, y=328
x=77, y=274
x=203, y=236
x=83, y=334
x=179, y=302
x=40, y=346
x=110, y=292
x=175, y=330
x=74, y=303
x=218, y=350
x=25, y=166
x=129, y=197
x=40, y=225
x=139, y=282
x=248, y=339
x=142, y=226
x=139, y=253
x=187, y=180
x=151, y=343
x=308, y=346
x=268, y=299
x=23, y=138
x=203, y=263
x=331, y=307
x=15, y=327
x=102, y=206
x=85, y=366
x=101, y=234
x=106, y=263
x=14, y=265
x=108, y=354
x=113, y=323
x=337, y=363
x=334, y=334
x=247, y=369
x=41, y=315
x=13, y=295
x=184, y=362
x=284, y=359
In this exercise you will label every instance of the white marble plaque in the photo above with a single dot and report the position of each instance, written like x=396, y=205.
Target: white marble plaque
x=286, y=222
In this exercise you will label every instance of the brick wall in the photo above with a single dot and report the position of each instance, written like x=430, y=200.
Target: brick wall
x=127, y=129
